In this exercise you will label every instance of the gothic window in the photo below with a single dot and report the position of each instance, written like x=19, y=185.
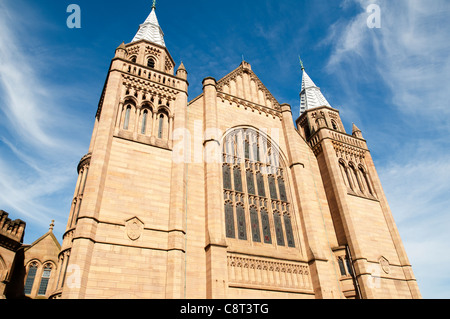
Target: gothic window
x=260, y=182
x=240, y=214
x=254, y=220
x=278, y=229
x=161, y=126
x=282, y=189
x=226, y=177
x=229, y=220
x=349, y=266
x=250, y=183
x=342, y=267
x=30, y=278
x=127, y=118
x=151, y=63
x=256, y=201
x=144, y=122
x=237, y=179
x=266, y=226
x=272, y=187
x=247, y=149
x=44, y=280
x=289, y=231
x=334, y=125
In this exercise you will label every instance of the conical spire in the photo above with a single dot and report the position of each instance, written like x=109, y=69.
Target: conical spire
x=310, y=95
x=150, y=29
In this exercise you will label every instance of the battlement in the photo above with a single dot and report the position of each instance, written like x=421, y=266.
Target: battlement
x=11, y=231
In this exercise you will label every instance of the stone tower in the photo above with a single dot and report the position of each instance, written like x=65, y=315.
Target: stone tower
x=120, y=216
x=365, y=229
x=223, y=196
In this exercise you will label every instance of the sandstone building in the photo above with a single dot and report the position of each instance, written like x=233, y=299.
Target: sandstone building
x=228, y=195
x=26, y=271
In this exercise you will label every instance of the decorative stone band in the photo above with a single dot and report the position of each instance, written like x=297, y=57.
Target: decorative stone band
x=268, y=274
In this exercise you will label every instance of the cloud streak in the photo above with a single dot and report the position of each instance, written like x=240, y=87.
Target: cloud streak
x=38, y=144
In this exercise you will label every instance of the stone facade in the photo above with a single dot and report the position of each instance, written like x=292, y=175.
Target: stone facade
x=11, y=240
x=26, y=271
x=224, y=196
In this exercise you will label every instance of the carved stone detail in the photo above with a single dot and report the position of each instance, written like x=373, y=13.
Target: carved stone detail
x=134, y=228
x=268, y=274
x=385, y=266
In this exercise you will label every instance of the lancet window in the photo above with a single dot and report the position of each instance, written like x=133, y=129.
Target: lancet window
x=256, y=204
x=30, y=278
x=45, y=279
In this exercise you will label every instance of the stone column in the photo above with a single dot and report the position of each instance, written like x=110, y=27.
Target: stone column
x=216, y=248
x=175, y=278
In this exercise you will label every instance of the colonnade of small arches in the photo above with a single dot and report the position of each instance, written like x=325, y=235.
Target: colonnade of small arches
x=145, y=119
x=356, y=178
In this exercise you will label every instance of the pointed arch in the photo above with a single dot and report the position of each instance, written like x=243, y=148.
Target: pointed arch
x=259, y=193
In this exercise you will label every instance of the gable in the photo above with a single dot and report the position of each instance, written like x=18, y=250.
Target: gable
x=46, y=247
x=242, y=83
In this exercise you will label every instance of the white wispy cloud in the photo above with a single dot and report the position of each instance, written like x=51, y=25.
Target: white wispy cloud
x=409, y=55
x=38, y=143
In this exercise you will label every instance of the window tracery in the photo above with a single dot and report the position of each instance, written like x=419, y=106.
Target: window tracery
x=255, y=197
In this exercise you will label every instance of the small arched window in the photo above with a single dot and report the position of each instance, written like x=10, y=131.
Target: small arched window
x=151, y=63
x=133, y=59
x=334, y=125
x=127, y=118
x=30, y=278
x=161, y=126
x=342, y=267
x=144, y=122
x=45, y=279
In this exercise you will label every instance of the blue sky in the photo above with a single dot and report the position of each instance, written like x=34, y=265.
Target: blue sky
x=393, y=82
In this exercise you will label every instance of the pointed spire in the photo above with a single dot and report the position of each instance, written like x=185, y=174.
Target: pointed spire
x=310, y=95
x=356, y=132
x=181, y=71
x=150, y=29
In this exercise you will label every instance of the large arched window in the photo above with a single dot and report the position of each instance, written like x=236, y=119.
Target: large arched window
x=256, y=203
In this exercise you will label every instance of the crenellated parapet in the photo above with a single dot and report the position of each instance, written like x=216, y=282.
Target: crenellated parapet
x=11, y=231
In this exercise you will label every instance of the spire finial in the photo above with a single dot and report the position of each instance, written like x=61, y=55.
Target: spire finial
x=52, y=225
x=301, y=62
x=154, y=4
